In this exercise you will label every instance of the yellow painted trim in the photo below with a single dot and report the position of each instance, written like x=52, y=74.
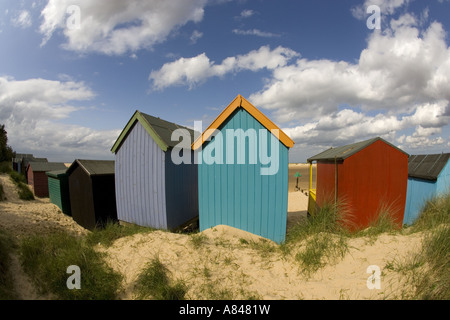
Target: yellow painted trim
x=241, y=102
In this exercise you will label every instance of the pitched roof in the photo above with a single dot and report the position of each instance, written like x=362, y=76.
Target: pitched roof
x=241, y=102
x=427, y=166
x=94, y=167
x=46, y=166
x=343, y=152
x=56, y=173
x=160, y=130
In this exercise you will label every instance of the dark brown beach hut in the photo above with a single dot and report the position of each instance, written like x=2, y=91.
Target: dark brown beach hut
x=92, y=192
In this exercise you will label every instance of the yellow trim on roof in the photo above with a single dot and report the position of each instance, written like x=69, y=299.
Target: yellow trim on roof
x=241, y=102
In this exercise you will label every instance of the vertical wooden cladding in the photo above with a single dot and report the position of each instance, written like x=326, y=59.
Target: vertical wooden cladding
x=373, y=178
x=376, y=176
x=37, y=177
x=428, y=177
x=92, y=192
x=82, y=198
x=58, y=188
x=238, y=195
x=140, y=180
x=151, y=190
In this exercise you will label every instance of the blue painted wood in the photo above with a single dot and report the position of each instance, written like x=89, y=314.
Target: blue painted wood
x=443, y=181
x=237, y=194
x=181, y=192
x=420, y=190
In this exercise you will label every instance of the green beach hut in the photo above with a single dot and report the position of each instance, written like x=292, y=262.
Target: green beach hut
x=58, y=189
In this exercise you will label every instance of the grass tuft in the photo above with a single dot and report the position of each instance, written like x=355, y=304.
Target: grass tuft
x=324, y=236
x=6, y=285
x=154, y=282
x=23, y=189
x=45, y=258
x=112, y=231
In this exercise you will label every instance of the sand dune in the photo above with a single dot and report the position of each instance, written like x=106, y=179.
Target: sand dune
x=226, y=262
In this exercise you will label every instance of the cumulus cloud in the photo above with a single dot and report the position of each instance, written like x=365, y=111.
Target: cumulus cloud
x=32, y=111
x=195, y=70
x=115, y=27
x=399, y=84
x=402, y=77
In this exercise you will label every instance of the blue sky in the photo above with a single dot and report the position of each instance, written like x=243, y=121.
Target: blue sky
x=68, y=86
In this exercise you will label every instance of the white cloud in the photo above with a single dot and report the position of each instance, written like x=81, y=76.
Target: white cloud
x=196, y=35
x=22, y=20
x=246, y=14
x=400, y=69
x=195, y=70
x=399, y=86
x=32, y=111
x=115, y=27
x=255, y=32
x=387, y=7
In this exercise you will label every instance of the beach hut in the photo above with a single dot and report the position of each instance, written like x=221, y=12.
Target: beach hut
x=17, y=161
x=37, y=178
x=428, y=176
x=243, y=172
x=152, y=190
x=366, y=177
x=92, y=192
x=58, y=189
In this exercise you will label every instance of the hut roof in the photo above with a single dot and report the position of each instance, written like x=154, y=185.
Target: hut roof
x=343, y=152
x=160, y=130
x=427, y=166
x=94, y=167
x=241, y=102
x=56, y=173
x=46, y=166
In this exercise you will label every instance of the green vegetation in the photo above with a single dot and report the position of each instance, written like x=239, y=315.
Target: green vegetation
x=112, y=231
x=21, y=183
x=6, y=152
x=154, y=282
x=435, y=212
x=7, y=245
x=46, y=259
x=197, y=239
x=323, y=237
x=5, y=167
x=428, y=271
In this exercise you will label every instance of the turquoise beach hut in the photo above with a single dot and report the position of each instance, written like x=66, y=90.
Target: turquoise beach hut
x=243, y=172
x=428, y=176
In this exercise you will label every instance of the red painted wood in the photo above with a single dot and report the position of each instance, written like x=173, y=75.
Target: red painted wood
x=369, y=179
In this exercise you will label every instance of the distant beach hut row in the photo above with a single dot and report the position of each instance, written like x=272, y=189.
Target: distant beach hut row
x=234, y=173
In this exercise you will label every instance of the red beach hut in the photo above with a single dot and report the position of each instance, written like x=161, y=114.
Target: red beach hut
x=366, y=177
